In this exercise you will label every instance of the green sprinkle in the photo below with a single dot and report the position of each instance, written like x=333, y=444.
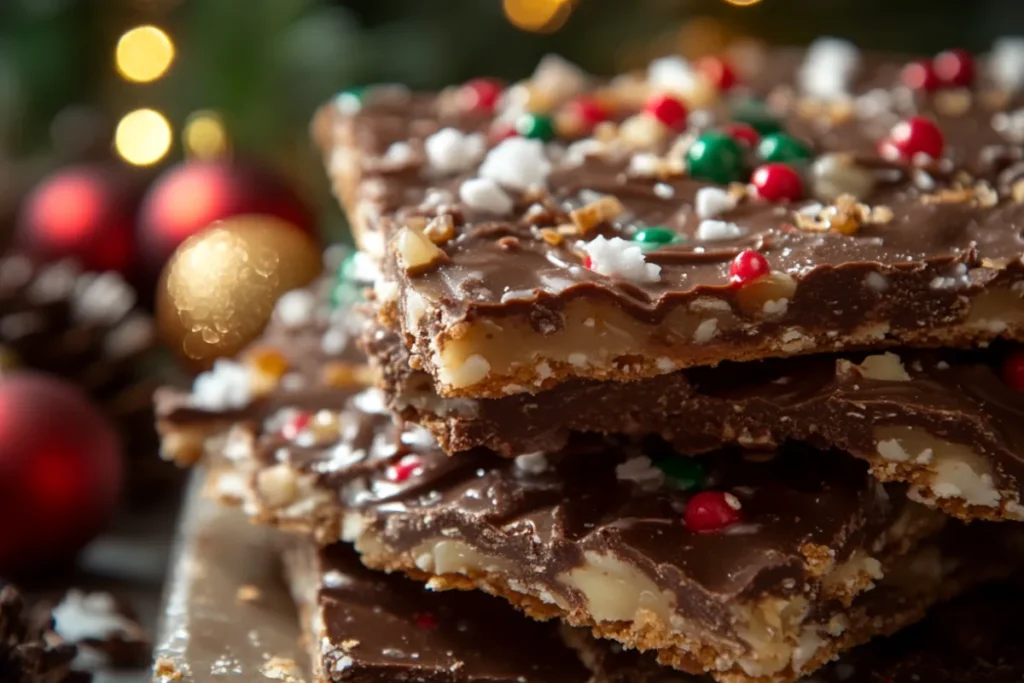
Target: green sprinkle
x=686, y=473
x=782, y=148
x=716, y=157
x=655, y=236
x=536, y=127
x=755, y=114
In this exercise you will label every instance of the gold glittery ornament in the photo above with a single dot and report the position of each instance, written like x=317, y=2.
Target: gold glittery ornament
x=219, y=288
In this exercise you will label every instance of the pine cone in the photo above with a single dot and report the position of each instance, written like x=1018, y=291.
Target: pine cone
x=88, y=329
x=30, y=651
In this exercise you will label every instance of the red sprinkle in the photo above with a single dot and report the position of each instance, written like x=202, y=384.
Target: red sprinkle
x=718, y=71
x=777, y=182
x=914, y=136
x=503, y=130
x=425, y=620
x=407, y=467
x=294, y=426
x=588, y=111
x=587, y=263
x=481, y=94
x=1013, y=370
x=667, y=109
x=710, y=511
x=955, y=67
x=920, y=76
x=748, y=265
x=743, y=133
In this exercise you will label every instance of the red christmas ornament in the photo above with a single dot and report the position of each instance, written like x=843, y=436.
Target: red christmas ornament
x=588, y=112
x=710, y=511
x=1013, y=370
x=194, y=194
x=405, y=468
x=718, y=71
x=955, y=68
x=747, y=266
x=60, y=471
x=294, y=426
x=920, y=76
x=481, y=95
x=86, y=213
x=914, y=136
x=743, y=133
x=777, y=183
x=667, y=109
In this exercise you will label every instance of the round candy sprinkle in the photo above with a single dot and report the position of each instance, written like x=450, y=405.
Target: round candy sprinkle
x=666, y=109
x=748, y=265
x=718, y=72
x=480, y=95
x=654, y=236
x=742, y=133
x=710, y=511
x=405, y=468
x=754, y=113
x=503, y=130
x=588, y=112
x=782, y=148
x=777, y=183
x=914, y=136
x=350, y=100
x=920, y=76
x=536, y=127
x=686, y=473
x=716, y=157
x=955, y=67
x=1013, y=371
x=294, y=426
x=587, y=262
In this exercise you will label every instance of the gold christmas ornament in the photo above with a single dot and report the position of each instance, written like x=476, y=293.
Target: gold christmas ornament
x=219, y=288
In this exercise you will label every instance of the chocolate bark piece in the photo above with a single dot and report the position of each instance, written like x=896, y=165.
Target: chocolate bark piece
x=366, y=626
x=488, y=279
x=943, y=421
x=30, y=650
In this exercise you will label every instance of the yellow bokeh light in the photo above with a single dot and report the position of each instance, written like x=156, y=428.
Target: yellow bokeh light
x=544, y=16
x=143, y=137
x=144, y=54
x=205, y=136
x=742, y=3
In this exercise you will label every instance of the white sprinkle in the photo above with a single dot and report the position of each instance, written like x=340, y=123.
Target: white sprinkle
x=225, y=386
x=617, y=257
x=706, y=331
x=644, y=164
x=556, y=74
x=92, y=616
x=370, y=401
x=451, y=151
x=713, y=201
x=348, y=104
x=578, y=151
x=671, y=73
x=664, y=191
x=829, y=68
x=483, y=194
x=295, y=308
x=712, y=231
x=533, y=463
x=640, y=470
x=399, y=153
x=1006, y=63
x=876, y=281
x=518, y=163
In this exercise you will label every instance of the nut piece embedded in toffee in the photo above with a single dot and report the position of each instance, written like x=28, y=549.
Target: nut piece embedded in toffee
x=638, y=248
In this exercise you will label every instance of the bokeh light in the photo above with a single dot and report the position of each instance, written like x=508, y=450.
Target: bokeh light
x=540, y=16
x=143, y=137
x=205, y=136
x=742, y=3
x=144, y=54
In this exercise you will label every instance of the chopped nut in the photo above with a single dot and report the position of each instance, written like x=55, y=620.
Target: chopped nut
x=775, y=286
x=567, y=229
x=416, y=252
x=277, y=485
x=247, y=593
x=592, y=215
x=950, y=196
x=1018, y=191
x=846, y=217
x=269, y=366
x=606, y=131
x=986, y=195
x=955, y=102
x=552, y=237
x=880, y=215
x=884, y=366
x=508, y=243
x=440, y=229
x=166, y=670
x=338, y=374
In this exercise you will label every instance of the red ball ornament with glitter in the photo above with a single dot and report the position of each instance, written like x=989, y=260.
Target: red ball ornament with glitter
x=1013, y=371
x=913, y=137
x=60, y=471
x=954, y=68
x=747, y=266
x=85, y=213
x=668, y=110
x=194, y=194
x=777, y=183
x=711, y=511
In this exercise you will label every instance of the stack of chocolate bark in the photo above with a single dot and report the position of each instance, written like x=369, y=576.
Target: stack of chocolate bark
x=713, y=363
